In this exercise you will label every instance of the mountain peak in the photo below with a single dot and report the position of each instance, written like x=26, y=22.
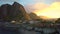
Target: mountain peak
x=13, y=12
x=6, y=5
x=16, y=4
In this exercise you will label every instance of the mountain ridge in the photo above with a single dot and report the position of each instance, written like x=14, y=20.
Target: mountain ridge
x=15, y=11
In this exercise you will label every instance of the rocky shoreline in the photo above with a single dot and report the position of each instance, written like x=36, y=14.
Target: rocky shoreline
x=26, y=29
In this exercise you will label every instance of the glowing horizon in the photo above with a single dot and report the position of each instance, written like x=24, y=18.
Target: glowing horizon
x=53, y=11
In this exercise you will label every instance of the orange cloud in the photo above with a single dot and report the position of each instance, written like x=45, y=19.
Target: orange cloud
x=35, y=7
x=39, y=6
x=52, y=11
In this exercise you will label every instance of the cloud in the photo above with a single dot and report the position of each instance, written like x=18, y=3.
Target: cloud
x=39, y=0
x=53, y=11
x=57, y=0
x=35, y=7
x=39, y=5
x=46, y=0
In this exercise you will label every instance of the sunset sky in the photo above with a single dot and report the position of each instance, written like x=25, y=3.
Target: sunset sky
x=39, y=7
x=31, y=5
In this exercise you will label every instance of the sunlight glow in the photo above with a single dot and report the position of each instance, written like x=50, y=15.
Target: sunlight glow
x=52, y=11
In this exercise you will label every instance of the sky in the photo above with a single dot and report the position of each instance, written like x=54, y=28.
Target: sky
x=31, y=5
x=24, y=2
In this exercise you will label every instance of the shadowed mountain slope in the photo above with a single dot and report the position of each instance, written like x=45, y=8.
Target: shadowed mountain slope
x=13, y=12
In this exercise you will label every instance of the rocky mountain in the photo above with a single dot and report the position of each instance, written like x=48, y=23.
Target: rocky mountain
x=34, y=16
x=13, y=12
x=21, y=10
